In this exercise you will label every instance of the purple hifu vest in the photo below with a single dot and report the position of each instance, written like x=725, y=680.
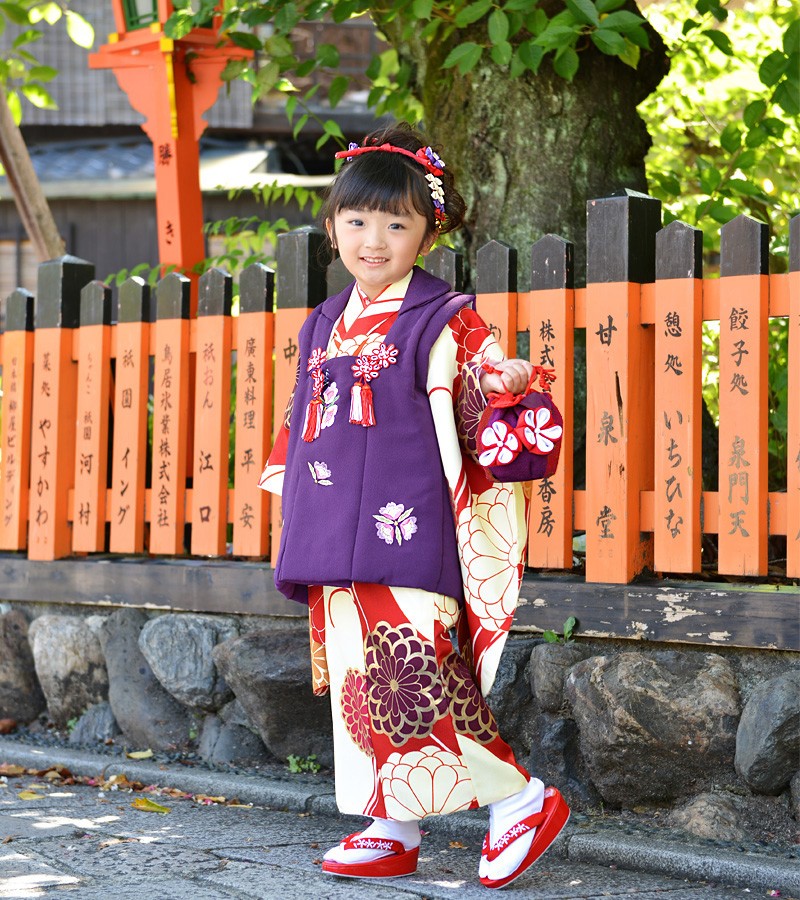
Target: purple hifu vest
x=371, y=504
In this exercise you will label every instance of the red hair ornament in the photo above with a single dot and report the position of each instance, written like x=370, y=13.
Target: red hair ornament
x=519, y=435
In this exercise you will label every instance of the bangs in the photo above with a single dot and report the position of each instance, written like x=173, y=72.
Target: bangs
x=382, y=182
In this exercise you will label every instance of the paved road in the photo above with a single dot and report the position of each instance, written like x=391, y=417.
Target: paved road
x=89, y=841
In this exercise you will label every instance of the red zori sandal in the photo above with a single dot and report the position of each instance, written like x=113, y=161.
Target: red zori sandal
x=398, y=860
x=548, y=824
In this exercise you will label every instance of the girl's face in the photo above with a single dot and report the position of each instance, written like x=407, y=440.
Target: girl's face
x=379, y=248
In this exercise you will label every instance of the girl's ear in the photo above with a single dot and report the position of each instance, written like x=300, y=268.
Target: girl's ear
x=428, y=242
x=331, y=232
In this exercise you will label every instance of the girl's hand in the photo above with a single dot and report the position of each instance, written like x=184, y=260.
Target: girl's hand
x=513, y=375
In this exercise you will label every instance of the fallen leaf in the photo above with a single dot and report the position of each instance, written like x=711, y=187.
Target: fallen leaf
x=30, y=795
x=206, y=800
x=11, y=769
x=7, y=726
x=7, y=840
x=140, y=754
x=236, y=805
x=54, y=772
x=112, y=841
x=457, y=845
x=145, y=804
x=37, y=787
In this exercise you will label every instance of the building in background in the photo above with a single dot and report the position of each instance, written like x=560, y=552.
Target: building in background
x=96, y=164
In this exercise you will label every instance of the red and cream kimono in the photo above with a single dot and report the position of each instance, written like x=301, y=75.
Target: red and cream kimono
x=413, y=735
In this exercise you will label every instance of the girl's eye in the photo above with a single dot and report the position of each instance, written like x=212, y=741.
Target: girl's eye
x=355, y=222
x=397, y=226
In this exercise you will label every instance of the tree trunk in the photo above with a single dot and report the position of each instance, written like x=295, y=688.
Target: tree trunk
x=28, y=195
x=529, y=152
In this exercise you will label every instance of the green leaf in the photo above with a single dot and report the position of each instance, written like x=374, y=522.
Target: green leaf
x=721, y=212
x=720, y=40
x=688, y=25
x=328, y=56
x=608, y=42
x=517, y=66
x=530, y=55
x=465, y=56
x=731, y=138
x=630, y=56
x=555, y=36
x=519, y=5
x=287, y=17
x=498, y=27
x=472, y=12
x=604, y=6
x=753, y=112
x=536, y=22
x=291, y=106
x=747, y=189
x=639, y=37
x=16, y=13
x=773, y=67
x=15, y=106
x=566, y=63
x=791, y=38
x=746, y=159
x=622, y=21
x=422, y=9
x=276, y=45
x=306, y=68
x=42, y=73
x=27, y=37
x=299, y=125
x=338, y=89
x=79, y=30
x=710, y=177
x=584, y=11
x=50, y=12
x=245, y=39
x=38, y=96
x=267, y=76
x=501, y=53
x=787, y=96
x=322, y=140
x=550, y=636
x=756, y=136
x=332, y=128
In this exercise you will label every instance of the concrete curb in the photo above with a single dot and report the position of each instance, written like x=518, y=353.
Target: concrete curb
x=604, y=847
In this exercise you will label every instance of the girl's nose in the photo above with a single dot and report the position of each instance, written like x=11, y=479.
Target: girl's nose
x=374, y=237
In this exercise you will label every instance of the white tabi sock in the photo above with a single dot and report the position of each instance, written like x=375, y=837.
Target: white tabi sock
x=406, y=832
x=505, y=814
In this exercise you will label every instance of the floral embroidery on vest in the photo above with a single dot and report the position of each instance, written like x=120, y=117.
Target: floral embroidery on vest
x=320, y=473
x=395, y=522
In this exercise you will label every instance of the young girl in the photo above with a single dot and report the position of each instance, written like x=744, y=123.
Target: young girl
x=394, y=534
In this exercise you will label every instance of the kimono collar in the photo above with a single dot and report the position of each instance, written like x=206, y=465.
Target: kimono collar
x=423, y=288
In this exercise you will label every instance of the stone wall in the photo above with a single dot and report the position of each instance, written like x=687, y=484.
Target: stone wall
x=709, y=735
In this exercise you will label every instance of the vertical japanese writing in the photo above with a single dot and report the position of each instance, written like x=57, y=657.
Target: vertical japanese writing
x=738, y=486
x=674, y=434
x=250, y=397
x=10, y=450
x=163, y=428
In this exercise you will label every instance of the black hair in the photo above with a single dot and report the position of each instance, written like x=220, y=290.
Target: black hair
x=391, y=182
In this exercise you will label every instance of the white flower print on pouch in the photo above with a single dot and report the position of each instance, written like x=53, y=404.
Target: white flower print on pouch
x=330, y=404
x=320, y=473
x=395, y=523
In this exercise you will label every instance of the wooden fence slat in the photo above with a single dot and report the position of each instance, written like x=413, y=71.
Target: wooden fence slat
x=170, y=406
x=55, y=384
x=212, y=413
x=619, y=404
x=743, y=410
x=254, y=409
x=91, y=429
x=496, y=290
x=793, y=436
x=447, y=264
x=301, y=286
x=129, y=451
x=15, y=440
x=678, y=399
x=552, y=329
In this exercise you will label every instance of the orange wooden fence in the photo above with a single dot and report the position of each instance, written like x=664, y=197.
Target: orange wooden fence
x=123, y=433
